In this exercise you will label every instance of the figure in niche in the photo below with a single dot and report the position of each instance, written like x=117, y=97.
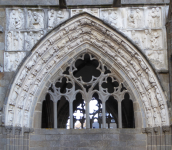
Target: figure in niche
x=138, y=18
x=155, y=40
x=154, y=16
x=113, y=17
x=135, y=38
x=146, y=39
x=30, y=41
x=17, y=41
x=131, y=20
x=16, y=18
x=51, y=18
x=35, y=19
x=60, y=15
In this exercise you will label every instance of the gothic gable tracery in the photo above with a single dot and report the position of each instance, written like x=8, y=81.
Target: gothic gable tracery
x=57, y=47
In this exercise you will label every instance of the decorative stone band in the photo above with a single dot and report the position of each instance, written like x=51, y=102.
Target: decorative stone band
x=60, y=43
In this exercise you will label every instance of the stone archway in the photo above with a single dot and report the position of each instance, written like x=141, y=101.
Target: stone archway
x=58, y=47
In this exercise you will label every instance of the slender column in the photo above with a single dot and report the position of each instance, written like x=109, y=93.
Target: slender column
x=55, y=115
x=71, y=114
x=104, y=114
x=87, y=115
x=119, y=115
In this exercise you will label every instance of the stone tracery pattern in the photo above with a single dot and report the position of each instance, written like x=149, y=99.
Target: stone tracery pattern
x=57, y=45
x=97, y=77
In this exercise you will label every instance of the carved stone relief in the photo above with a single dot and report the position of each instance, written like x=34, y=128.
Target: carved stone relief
x=153, y=17
x=12, y=60
x=55, y=17
x=35, y=18
x=113, y=45
x=92, y=11
x=135, y=18
x=144, y=25
x=32, y=38
x=112, y=16
x=15, y=41
x=157, y=57
x=16, y=19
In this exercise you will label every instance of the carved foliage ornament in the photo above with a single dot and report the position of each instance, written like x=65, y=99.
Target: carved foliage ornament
x=51, y=51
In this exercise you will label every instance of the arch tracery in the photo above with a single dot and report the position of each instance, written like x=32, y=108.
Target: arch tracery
x=51, y=51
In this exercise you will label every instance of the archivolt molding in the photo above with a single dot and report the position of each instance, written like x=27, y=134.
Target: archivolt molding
x=59, y=43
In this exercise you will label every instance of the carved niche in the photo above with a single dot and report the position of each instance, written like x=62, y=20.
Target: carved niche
x=16, y=19
x=154, y=17
x=32, y=38
x=35, y=18
x=15, y=41
x=55, y=17
x=12, y=60
x=111, y=16
x=135, y=18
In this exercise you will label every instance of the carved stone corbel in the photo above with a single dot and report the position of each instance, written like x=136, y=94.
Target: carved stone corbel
x=8, y=129
x=149, y=131
x=165, y=129
x=156, y=130
x=18, y=130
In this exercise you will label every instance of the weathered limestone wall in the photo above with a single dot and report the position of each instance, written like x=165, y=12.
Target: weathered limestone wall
x=88, y=139
x=85, y=139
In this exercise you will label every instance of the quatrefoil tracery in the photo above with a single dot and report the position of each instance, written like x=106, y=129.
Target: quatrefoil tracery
x=75, y=79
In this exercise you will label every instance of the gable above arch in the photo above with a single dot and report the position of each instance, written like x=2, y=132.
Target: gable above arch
x=62, y=43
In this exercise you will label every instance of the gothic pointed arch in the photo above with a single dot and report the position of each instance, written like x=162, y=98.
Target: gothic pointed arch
x=61, y=47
